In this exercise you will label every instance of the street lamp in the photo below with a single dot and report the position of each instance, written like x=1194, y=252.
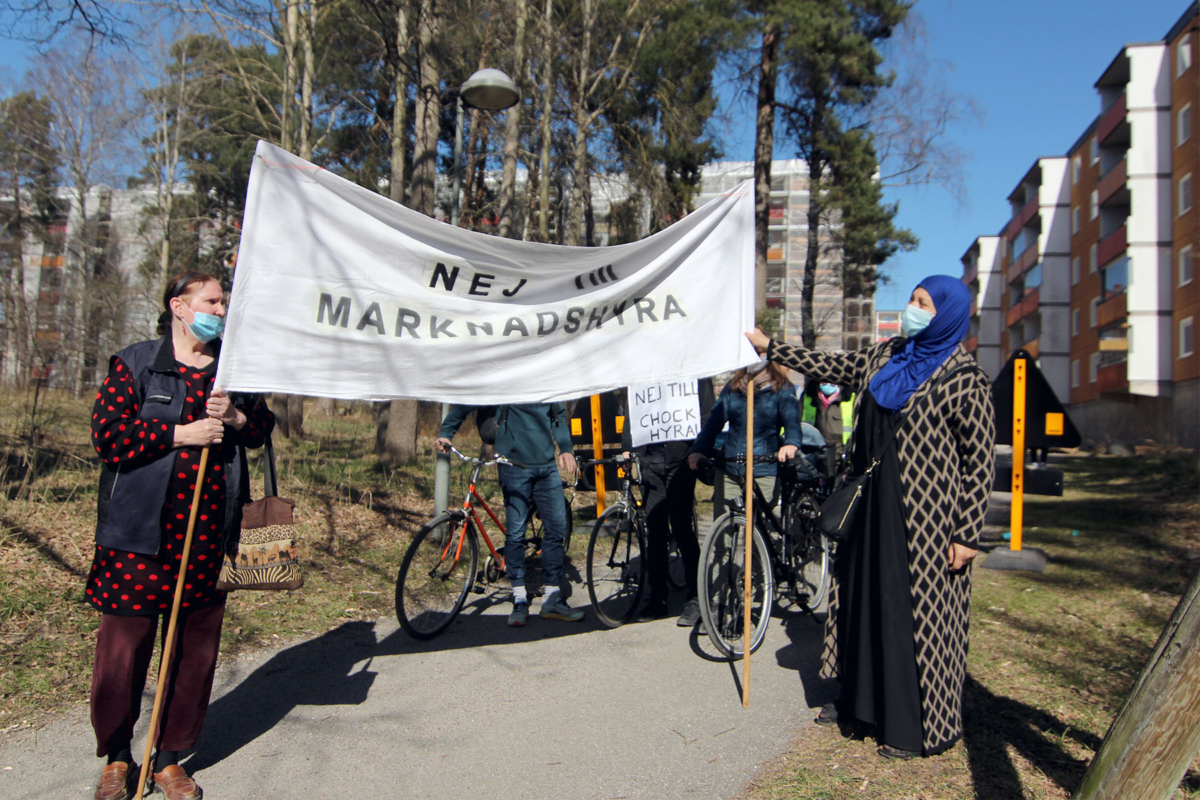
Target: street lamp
x=489, y=90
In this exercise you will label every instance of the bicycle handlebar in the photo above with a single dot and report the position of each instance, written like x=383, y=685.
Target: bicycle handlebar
x=498, y=459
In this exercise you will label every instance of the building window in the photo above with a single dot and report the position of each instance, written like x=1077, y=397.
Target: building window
x=1095, y=149
x=1093, y=366
x=1092, y=259
x=1185, y=266
x=1075, y=270
x=1074, y=321
x=1076, y=169
x=1183, y=55
x=1075, y=374
x=1094, y=205
x=1093, y=313
x=1185, y=337
x=1184, y=194
x=1183, y=125
x=1075, y=220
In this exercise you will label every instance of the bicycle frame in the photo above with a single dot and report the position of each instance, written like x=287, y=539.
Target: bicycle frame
x=469, y=512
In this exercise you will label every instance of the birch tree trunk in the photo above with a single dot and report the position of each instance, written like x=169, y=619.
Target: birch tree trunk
x=547, y=106
x=512, y=126
x=764, y=145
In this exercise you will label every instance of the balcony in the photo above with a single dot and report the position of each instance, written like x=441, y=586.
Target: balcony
x=1019, y=310
x=1031, y=347
x=1022, y=218
x=1112, y=310
x=970, y=274
x=1024, y=262
x=1111, y=119
x=972, y=344
x=1111, y=246
x=1112, y=377
x=775, y=253
x=1111, y=181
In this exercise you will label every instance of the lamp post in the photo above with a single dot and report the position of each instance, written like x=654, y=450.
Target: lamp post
x=489, y=90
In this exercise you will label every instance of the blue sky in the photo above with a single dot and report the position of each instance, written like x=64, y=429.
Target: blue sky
x=1029, y=65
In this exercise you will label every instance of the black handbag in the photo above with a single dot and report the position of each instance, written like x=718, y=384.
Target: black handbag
x=836, y=516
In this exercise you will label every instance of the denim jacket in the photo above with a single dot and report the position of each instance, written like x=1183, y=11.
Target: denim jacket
x=773, y=411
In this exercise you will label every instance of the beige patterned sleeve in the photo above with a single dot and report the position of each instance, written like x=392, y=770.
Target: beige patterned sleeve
x=974, y=429
x=840, y=367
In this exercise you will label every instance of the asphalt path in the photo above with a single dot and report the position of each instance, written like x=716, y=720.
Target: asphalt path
x=555, y=710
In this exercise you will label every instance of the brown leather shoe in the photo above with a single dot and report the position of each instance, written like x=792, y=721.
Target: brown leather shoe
x=176, y=785
x=118, y=781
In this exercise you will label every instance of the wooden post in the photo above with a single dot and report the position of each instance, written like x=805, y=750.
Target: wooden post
x=598, y=453
x=164, y=670
x=749, y=535
x=1018, y=456
x=1156, y=734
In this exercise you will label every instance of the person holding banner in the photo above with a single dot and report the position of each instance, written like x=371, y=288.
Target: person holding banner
x=776, y=409
x=526, y=434
x=896, y=634
x=663, y=419
x=154, y=414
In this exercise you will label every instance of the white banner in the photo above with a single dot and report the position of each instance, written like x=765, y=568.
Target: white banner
x=664, y=412
x=340, y=292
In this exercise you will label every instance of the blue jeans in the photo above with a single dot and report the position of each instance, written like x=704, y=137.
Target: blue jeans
x=526, y=488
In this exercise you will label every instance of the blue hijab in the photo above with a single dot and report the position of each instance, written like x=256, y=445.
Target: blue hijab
x=921, y=355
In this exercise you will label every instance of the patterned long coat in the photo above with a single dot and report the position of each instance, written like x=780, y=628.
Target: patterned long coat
x=947, y=465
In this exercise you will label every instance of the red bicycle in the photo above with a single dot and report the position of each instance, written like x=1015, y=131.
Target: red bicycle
x=441, y=565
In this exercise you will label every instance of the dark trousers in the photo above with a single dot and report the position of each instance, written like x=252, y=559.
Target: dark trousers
x=669, y=491
x=123, y=649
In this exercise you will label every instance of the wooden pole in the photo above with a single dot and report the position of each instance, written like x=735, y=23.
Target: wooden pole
x=1017, y=518
x=164, y=669
x=749, y=534
x=598, y=453
x=1156, y=734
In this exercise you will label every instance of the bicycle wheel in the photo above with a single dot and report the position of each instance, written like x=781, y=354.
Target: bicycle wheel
x=435, y=576
x=722, y=586
x=809, y=557
x=616, y=571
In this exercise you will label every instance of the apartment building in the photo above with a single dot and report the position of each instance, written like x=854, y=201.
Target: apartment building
x=842, y=323
x=983, y=275
x=1097, y=263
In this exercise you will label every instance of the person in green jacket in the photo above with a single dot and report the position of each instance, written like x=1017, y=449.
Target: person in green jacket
x=527, y=434
x=830, y=409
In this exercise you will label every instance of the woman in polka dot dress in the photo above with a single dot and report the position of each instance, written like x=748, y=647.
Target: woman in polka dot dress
x=154, y=414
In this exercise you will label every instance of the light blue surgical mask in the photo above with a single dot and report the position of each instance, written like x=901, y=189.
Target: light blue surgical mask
x=205, y=327
x=914, y=320
x=828, y=389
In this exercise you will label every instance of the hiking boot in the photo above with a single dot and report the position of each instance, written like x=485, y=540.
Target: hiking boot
x=690, y=615
x=519, y=617
x=118, y=781
x=557, y=608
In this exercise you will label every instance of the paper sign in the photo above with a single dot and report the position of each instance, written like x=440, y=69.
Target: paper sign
x=664, y=412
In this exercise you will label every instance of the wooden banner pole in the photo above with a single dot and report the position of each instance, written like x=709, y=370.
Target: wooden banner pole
x=164, y=669
x=749, y=531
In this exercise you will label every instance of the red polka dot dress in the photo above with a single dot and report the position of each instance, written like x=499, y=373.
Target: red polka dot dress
x=128, y=583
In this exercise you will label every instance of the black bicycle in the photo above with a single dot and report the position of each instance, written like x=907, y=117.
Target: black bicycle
x=790, y=557
x=616, y=566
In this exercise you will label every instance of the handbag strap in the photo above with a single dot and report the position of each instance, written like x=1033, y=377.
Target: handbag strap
x=270, y=477
x=908, y=415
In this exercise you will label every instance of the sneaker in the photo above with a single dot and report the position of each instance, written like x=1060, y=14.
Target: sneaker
x=519, y=617
x=690, y=615
x=654, y=609
x=557, y=608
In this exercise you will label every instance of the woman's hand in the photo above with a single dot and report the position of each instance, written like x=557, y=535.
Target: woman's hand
x=960, y=556
x=694, y=460
x=759, y=339
x=221, y=408
x=786, y=452
x=201, y=433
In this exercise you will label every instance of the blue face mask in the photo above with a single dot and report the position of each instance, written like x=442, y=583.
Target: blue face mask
x=914, y=320
x=828, y=389
x=205, y=327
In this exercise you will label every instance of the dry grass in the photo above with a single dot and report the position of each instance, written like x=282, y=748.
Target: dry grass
x=1052, y=655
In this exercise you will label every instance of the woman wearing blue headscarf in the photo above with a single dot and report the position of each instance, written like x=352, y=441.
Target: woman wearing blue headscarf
x=896, y=634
